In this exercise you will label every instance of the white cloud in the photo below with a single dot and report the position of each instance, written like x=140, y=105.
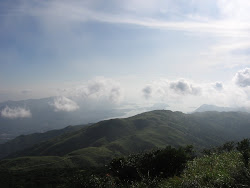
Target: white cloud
x=235, y=10
x=147, y=91
x=211, y=17
x=223, y=18
x=227, y=53
x=171, y=89
x=178, y=16
x=97, y=89
x=115, y=94
x=230, y=20
x=16, y=112
x=181, y=94
x=64, y=104
x=242, y=78
x=218, y=86
x=232, y=51
x=184, y=87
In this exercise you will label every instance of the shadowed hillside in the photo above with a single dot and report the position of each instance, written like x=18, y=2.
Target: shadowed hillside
x=98, y=143
x=26, y=141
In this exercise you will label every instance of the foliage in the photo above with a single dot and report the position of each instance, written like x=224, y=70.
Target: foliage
x=226, y=147
x=161, y=163
x=244, y=148
x=26, y=141
x=215, y=170
x=167, y=168
x=145, y=131
x=65, y=161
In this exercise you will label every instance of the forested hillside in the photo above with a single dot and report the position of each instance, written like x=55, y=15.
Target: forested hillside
x=97, y=144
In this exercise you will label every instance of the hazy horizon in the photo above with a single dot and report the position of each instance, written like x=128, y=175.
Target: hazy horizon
x=138, y=53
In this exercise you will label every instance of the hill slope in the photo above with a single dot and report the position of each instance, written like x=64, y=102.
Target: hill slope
x=44, y=117
x=26, y=141
x=98, y=143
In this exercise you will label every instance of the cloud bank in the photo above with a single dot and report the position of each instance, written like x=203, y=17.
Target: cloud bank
x=98, y=89
x=183, y=93
x=218, y=86
x=16, y=112
x=183, y=87
x=96, y=94
x=191, y=16
x=169, y=88
x=64, y=104
x=242, y=78
x=147, y=91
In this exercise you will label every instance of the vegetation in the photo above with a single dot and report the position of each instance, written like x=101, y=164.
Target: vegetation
x=161, y=163
x=146, y=168
x=223, y=166
x=132, y=152
x=216, y=170
x=156, y=129
x=26, y=141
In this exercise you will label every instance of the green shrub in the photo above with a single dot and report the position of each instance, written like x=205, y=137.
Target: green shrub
x=161, y=163
x=244, y=148
x=216, y=170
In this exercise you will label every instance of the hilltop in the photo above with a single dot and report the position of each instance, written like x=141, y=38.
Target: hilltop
x=96, y=144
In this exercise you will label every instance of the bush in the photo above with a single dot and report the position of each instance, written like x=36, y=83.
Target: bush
x=161, y=163
x=216, y=170
x=244, y=148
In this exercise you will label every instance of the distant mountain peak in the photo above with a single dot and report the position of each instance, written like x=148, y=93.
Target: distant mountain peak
x=209, y=107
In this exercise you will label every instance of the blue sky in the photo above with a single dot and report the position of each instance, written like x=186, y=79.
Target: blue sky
x=179, y=49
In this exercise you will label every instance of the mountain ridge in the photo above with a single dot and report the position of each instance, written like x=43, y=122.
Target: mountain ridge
x=44, y=117
x=25, y=141
x=102, y=141
x=208, y=107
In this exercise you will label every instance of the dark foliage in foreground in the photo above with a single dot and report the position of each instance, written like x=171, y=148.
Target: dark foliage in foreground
x=148, y=168
x=223, y=166
x=161, y=163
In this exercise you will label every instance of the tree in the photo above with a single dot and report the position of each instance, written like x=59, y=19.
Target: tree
x=244, y=148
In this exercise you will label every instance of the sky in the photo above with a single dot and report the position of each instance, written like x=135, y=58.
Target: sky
x=183, y=53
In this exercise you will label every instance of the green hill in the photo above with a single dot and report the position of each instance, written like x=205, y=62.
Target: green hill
x=26, y=141
x=97, y=144
x=45, y=117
